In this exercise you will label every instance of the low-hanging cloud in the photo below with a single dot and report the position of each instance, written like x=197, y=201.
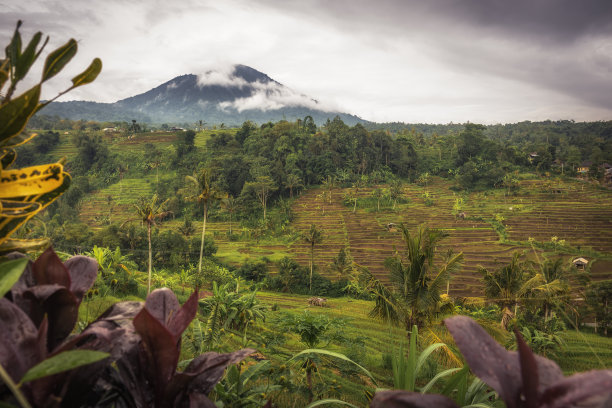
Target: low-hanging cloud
x=264, y=94
x=271, y=96
x=222, y=75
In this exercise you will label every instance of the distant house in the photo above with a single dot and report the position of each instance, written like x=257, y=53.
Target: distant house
x=584, y=168
x=109, y=130
x=580, y=263
x=532, y=156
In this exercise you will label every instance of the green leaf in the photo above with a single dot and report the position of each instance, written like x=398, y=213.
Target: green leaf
x=425, y=354
x=89, y=75
x=15, y=114
x=10, y=271
x=434, y=380
x=58, y=59
x=330, y=401
x=336, y=355
x=64, y=361
x=26, y=60
x=13, y=50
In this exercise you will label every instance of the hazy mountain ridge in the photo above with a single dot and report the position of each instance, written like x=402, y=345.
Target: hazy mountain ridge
x=230, y=97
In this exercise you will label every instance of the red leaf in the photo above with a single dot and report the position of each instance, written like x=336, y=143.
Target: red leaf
x=180, y=321
x=406, y=399
x=160, y=351
x=48, y=269
x=493, y=364
x=489, y=361
x=163, y=305
x=19, y=346
x=201, y=375
x=83, y=272
x=60, y=306
x=529, y=372
x=209, y=368
x=596, y=384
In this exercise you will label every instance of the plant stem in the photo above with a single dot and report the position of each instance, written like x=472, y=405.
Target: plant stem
x=14, y=388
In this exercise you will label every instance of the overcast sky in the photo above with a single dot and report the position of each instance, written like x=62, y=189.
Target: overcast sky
x=434, y=61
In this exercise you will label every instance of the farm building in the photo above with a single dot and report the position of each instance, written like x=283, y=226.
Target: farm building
x=580, y=263
x=584, y=168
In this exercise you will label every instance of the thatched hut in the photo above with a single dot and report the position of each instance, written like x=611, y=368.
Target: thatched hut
x=580, y=263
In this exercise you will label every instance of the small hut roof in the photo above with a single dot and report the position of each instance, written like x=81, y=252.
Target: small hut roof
x=580, y=261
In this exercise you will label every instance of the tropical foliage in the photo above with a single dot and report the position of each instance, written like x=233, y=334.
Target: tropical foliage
x=416, y=281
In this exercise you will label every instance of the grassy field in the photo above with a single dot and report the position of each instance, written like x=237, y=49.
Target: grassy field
x=371, y=341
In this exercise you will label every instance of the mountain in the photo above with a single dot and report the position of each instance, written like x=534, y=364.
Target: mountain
x=231, y=97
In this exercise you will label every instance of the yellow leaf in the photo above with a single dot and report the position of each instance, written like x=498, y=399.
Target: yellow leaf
x=31, y=180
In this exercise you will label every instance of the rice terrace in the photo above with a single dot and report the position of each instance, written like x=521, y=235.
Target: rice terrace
x=222, y=239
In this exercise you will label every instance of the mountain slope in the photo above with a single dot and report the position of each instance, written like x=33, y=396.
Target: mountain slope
x=231, y=97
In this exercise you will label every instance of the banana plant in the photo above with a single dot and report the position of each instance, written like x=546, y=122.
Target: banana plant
x=245, y=388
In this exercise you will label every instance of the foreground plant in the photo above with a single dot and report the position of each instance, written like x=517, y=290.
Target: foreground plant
x=25, y=192
x=148, y=367
x=522, y=379
x=42, y=365
x=36, y=317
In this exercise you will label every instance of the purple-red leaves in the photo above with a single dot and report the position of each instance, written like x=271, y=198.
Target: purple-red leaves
x=144, y=341
x=160, y=351
x=529, y=372
x=152, y=370
x=18, y=348
x=163, y=305
x=592, y=386
x=493, y=364
x=201, y=376
x=522, y=380
x=48, y=269
x=83, y=272
x=55, y=289
x=405, y=399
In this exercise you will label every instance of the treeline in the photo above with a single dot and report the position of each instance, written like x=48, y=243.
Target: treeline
x=258, y=165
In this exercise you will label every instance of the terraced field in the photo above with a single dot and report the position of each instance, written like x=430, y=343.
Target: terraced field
x=365, y=236
x=116, y=201
x=580, y=214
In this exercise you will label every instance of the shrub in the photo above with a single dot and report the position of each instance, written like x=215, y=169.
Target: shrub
x=253, y=271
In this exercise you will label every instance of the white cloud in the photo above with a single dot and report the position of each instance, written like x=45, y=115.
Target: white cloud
x=270, y=96
x=222, y=76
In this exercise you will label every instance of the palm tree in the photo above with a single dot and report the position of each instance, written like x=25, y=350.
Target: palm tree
x=509, y=284
x=205, y=193
x=150, y=211
x=550, y=284
x=313, y=237
x=415, y=281
x=230, y=205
